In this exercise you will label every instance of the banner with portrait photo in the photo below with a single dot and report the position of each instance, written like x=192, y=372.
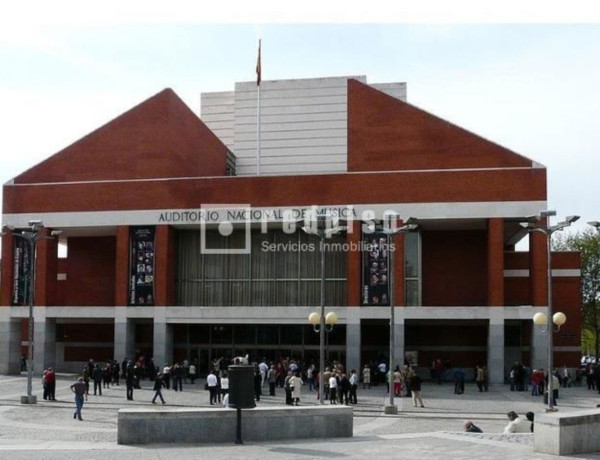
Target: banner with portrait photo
x=141, y=266
x=375, y=255
x=21, y=271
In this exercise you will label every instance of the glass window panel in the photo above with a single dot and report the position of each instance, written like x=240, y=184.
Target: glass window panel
x=238, y=293
x=267, y=335
x=214, y=293
x=310, y=260
x=286, y=293
x=310, y=293
x=411, y=254
x=222, y=334
x=337, y=335
x=311, y=337
x=412, y=293
x=199, y=333
x=286, y=256
x=245, y=334
x=263, y=293
x=335, y=293
x=262, y=257
x=291, y=335
x=335, y=257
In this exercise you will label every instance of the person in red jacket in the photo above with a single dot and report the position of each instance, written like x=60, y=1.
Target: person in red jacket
x=51, y=384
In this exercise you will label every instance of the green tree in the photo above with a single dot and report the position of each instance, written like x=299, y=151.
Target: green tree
x=587, y=243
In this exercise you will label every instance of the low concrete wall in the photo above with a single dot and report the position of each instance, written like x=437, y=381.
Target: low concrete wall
x=567, y=433
x=183, y=425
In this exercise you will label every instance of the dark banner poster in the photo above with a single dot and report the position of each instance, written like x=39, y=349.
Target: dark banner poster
x=375, y=255
x=141, y=265
x=22, y=268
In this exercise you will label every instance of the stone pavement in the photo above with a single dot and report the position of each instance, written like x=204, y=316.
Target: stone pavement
x=47, y=430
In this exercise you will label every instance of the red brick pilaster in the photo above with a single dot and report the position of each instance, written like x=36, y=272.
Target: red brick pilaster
x=122, y=266
x=354, y=265
x=495, y=262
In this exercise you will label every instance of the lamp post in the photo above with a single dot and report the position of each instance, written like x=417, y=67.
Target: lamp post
x=323, y=229
x=533, y=225
x=31, y=236
x=391, y=230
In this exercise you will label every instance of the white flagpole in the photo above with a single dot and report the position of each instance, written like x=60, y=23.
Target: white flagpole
x=258, y=78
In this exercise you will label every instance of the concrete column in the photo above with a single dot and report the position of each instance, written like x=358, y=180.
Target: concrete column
x=353, y=341
x=163, y=338
x=539, y=348
x=10, y=343
x=495, y=263
x=399, y=348
x=44, y=341
x=124, y=346
x=399, y=271
x=495, y=347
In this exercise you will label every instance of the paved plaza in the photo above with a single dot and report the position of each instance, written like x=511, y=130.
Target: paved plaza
x=47, y=430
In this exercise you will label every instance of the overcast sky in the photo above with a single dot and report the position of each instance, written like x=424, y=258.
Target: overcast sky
x=531, y=87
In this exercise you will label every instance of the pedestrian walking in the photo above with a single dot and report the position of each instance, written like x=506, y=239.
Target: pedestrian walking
x=158, y=384
x=130, y=380
x=79, y=389
x=97, y=378
x=415, y=388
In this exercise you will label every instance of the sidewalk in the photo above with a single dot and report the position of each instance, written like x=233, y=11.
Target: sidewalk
x=47, y=430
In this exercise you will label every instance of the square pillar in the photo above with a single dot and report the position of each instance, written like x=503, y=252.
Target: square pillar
x=163, y=338
x=44, y=341
x=353, y=340
x=124, y=345
x=495, y=347
x=539, y=348
x=495, y=262
x=399, y=348
x=10, y=343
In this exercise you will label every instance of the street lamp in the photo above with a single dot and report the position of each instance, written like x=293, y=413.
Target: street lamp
x=32, y=237
x=323, y=229
x=389, y=228
x=533, y=225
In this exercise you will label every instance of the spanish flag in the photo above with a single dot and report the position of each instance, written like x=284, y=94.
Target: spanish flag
x=258, y=66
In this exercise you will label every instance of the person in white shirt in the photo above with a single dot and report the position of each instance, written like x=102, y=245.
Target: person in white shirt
x=333, y=383
x=353, y=386
x=516, y=424
x=263, y=367
x=224, y=385
x=212, y=382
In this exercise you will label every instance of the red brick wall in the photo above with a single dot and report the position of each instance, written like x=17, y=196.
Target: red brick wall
x=91, y=271
x=385, y=134
x=454, y=268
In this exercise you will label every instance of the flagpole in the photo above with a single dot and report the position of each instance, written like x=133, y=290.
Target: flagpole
x=258, y=78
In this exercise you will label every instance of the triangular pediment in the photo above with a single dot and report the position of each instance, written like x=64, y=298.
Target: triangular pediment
x=159, y=138
x=385, y=134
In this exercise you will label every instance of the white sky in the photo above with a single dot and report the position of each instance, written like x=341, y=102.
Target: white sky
x=529, y=84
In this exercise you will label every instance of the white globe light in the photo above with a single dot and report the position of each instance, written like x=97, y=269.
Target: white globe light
x=559, y=318
x=540, y=319
x=331, y=318
x=314, y=318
